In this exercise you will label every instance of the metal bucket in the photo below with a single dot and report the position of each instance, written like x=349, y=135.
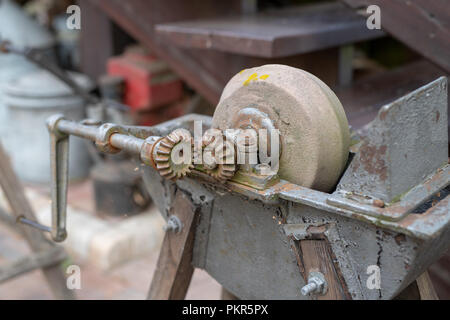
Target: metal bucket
x=31, y=99
x=23, y=32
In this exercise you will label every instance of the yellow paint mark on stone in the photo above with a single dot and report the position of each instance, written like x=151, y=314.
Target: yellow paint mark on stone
x=240, y=72
x=253, y=77
x=264, y=77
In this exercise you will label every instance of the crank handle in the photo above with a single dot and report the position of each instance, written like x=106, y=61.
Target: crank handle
x=108, y=138
x=59, y=162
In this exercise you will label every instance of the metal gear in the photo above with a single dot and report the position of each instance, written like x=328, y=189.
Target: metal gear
x=221, y=171
x=164, y=154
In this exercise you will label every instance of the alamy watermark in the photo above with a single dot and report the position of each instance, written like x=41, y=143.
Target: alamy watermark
x=230, y=146
x=73, y=21
x=373, y=21
x=73, y=281
x=373, y=282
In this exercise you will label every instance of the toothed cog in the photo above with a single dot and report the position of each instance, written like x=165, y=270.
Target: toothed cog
x=223, y=152
x=172, y=154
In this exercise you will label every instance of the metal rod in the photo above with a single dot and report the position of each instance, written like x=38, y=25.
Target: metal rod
x=105, y=137
x=78, y=129
x=34, y=224
x=120, y=141
x=128, y=143
x=59, y=160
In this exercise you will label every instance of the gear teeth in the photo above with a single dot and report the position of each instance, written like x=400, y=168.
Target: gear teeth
x=167, y=144
x=224, y=171
x=167, y=173
x=162, y=158
x=163, y=165
x=164, y=150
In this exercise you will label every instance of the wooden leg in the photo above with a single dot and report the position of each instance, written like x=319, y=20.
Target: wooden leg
x=316, y=255
x=421, y=289
x=35, y=260
x=411, y=292
x=426, y=288
x=20, y=207
x=174, y=268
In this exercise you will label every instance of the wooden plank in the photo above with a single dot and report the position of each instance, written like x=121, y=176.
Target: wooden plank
x=365, y=97
x=426, y=288
x=99, y=35
x=423, y=25
x=104, y=40
x=273, y=33
x=20, y=207
x=421, y=289
x=34, y=261
x=174, y=267
x=411, y=292
x=316, y=256
x=138, y=18
x=206, y=71
x=7, y=219
x=439, y=273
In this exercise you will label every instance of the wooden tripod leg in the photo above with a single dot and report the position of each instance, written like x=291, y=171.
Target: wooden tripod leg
x=426, y=289
x=20, y=207
x=174, y=268
x=316, y=256
x=420, y=289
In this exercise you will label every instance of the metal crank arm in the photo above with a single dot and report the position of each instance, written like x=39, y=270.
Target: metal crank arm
x=109, y=138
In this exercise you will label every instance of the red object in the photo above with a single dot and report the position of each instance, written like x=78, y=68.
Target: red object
x=153, y=117
x=149, y=83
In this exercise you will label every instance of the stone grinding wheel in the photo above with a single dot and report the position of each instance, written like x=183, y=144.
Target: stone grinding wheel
x=313, y=128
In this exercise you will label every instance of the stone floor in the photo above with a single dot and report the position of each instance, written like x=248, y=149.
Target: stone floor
x=130, y=280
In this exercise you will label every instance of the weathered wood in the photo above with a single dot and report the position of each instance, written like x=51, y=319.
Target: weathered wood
x=439, y=273
x=34, y=261
x=316, y=256
x=411, y=292
x=139, y=17
x=345, y=75
x=206, y=71
x=20, y=207
x=423, y=25
x=100, y=35
x=365, y=97
x=426, y=288
x=273, y=33
x=174, y=268
x=420, y=289
x=7, y=219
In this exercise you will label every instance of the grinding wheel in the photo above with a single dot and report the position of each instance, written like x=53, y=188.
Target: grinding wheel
x=313, y=128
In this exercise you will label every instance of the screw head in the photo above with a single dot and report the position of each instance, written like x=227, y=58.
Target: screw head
x=173, y=224
x=316, y=284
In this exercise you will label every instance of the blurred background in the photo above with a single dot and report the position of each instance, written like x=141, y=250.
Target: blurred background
x=165, y=59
